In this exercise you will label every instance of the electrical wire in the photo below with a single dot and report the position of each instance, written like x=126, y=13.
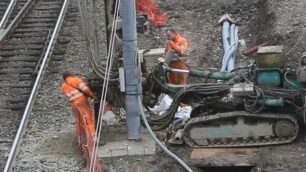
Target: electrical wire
x=253, y=107
x=105, y=88
x=202, y=90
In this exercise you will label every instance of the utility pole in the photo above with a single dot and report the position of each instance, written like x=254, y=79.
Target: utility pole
x=131, y=69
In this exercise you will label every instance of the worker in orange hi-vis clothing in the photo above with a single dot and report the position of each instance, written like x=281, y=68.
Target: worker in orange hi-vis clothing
x=180, y=45
x=77, y=92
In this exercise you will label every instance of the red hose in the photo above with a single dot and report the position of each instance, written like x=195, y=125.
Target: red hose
x=254, y=49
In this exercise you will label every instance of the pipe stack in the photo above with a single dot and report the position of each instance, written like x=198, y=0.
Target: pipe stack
x=230, y=42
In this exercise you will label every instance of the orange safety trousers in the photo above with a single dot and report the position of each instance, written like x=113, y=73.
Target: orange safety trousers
x=178, y=78
x=85, y=129
x=81, y=107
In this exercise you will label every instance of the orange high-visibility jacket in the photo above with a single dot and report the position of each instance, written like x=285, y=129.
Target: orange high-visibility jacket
x=74, y=87
x=180, y=46
x=77, y=92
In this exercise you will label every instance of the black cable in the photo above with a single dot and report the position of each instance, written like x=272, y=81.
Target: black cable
x=203, y=90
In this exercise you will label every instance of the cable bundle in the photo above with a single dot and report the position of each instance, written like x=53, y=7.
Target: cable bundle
x=92, y=43
x=202, y=91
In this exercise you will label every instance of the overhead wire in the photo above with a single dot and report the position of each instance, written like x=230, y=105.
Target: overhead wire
x=105, y=87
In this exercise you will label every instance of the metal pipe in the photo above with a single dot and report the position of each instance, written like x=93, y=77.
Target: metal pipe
x=106, y=76
x=272, y=102
x=6, y=14
x=176, y=70
x=230, y=44
x=226, y=35
x=227, y=57
x=226, y=43
x=24, y=121
x=131, y=70
x=232, y=41
x=235, y=41
x=203, y=74
x=211, y=75
x=254, y=49
x=232, y=34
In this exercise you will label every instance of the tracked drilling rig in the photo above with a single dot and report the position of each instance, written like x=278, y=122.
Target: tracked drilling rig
x=258, y=104
x=262, y=103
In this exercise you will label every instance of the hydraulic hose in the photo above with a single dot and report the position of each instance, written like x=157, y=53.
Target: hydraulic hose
x=182, y=163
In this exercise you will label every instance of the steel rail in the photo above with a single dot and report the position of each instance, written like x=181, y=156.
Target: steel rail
x=5, y=32
x=7, y=12
x=15, y=148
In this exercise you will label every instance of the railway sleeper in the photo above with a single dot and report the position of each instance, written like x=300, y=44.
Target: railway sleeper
x=36, y=25
x=13, y=107
x=17, y=65
x=20, y=52
x=19, y=58
x=12, y=77
x=34, y=40
x=52, y=13
x=16, y=91
x=5, y=140
x=49, y=7
x=39, y=20
x=29, y=35
x=57, y=58
x=17, y=71
x=16, y=85
x=31, y=30
x=59, y=52
x=22, y=46
x=15, y=100
x=42, y=16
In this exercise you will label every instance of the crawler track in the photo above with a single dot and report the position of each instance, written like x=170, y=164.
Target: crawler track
x=20, y=59
x=220, y=137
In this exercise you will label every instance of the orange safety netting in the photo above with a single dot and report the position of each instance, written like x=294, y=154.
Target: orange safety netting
x=86, y=140
x=150, y=8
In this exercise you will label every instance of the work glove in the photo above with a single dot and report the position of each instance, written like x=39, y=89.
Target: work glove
x=91, y=100
x=95, y=98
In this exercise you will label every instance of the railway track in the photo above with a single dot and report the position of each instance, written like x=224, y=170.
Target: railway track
x=23, y=56
x=16, y=7
x=3, y=6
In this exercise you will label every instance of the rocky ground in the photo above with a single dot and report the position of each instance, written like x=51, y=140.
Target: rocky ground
x=49, y=144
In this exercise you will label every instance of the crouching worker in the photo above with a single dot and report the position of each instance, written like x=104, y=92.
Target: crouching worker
x=78, y=93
